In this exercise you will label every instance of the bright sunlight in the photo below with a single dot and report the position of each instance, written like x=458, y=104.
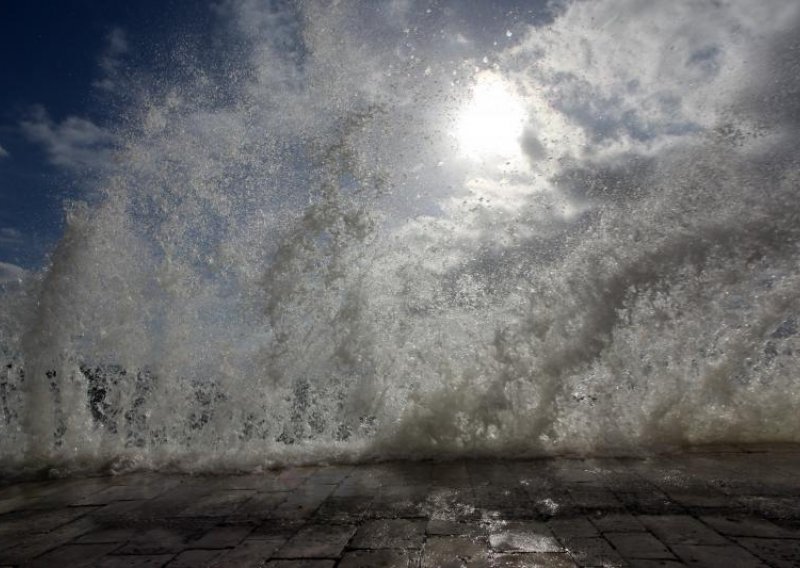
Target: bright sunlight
x=491, y=124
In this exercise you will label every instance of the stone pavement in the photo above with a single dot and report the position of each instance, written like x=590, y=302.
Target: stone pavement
x=726, y=507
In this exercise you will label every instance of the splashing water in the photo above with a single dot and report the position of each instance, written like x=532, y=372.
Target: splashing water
x=294, y=258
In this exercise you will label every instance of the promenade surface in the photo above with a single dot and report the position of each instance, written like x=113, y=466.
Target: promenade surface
x=724, y=507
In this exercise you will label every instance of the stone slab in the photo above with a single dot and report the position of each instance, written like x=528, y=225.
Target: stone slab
x=318, y=541
x=698, y=509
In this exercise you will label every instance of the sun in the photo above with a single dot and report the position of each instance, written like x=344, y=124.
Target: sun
x=492, y=122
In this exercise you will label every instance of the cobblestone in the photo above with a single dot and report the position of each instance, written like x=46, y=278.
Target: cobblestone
x=728, y=507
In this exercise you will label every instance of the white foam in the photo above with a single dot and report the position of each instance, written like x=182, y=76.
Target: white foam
x=257, y=284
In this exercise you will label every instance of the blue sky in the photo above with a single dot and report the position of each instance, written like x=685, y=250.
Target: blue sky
x=55, y=56
x=595, y=87
x=58, y=56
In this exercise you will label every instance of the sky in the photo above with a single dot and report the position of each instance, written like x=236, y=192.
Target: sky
x=58, y=74
x=57, y=56
x=60, y=66
x=593, y=83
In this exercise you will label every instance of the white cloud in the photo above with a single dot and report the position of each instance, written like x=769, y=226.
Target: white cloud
x=3, y=153
x=632, y=72
x=76, y=143
x=11, y=273
x=111, y=60
x=10, y=236
x=117, y=41
x=616, y=91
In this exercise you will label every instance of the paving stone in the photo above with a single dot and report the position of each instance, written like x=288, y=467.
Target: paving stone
x=68, y=492
x=528, y=536
x=728, y=556
x=748, y=526
x=222, y=537
x=195, y=559
x=27, y=490
x=452, y=504
x=160, y=540
x=439, y=527
x=650, y=503
x=73, y=555
x=639, y=545
x=407, y=474
x=13, y=504
x=385, y=558
x=710, y=499
x=540, y=485
x=495, y=496
x=26, y=547
x=595, y=499
x=577, y=527
x=772, y=507
x=302, y=502
x=450, y=475
x=260, y=506
x=107, y=536
x=533, y=560
x=301, y=564
x=455, y=552
x=390, y=533
x=219, y=504
x=283, y=480
x=355, y=488
x=557, y=504
x=488, y=472
x=167, y=505
x=395, y=501
x=37, y=522
x=273, y=528
x=141, y=478
x=593, y=551
x=343, y=509
x=643, y=563
x=260, y=482
x=318, y=541
x=127, y=493
x=761, y=482
x=127, y=561
x=783, y=553
x=681, y=529
x=391, y=493
x=617, y=522
x=576, y=471
x=122, y=511
x=331, y=475
x=312, y=516
x=362, y=481
x=250, y=553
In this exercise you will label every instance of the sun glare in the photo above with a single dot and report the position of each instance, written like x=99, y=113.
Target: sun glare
x=491, y=123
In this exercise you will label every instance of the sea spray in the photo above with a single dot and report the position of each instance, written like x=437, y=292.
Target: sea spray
x=291, y=260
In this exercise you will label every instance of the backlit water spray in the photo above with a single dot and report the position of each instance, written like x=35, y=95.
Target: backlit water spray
x=366, y=231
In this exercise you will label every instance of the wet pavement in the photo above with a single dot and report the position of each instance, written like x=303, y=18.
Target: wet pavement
x=722, y=507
